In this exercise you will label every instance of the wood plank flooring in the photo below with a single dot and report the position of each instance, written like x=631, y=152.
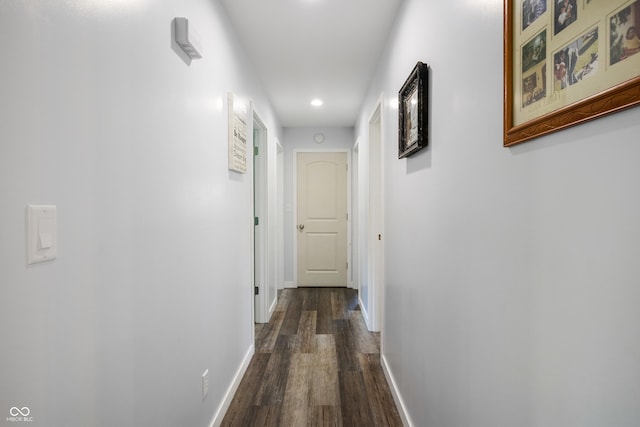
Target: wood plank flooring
x=315, y=365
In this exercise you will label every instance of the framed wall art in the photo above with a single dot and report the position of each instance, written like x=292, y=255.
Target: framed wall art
x=566, y=62
x=412, y=112
x=237, y=118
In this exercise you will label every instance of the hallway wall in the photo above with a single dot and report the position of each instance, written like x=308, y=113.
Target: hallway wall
x=512, y=275
x=101, y=116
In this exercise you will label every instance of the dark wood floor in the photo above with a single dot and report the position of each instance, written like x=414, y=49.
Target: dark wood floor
x=315, y=365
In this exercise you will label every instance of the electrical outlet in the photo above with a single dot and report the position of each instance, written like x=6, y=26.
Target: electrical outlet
x=205, y=384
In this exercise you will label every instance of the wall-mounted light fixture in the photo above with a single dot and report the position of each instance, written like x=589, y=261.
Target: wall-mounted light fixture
x=186, y=39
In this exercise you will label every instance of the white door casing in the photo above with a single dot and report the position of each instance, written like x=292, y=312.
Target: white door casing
x=260, y=235
x=322, y=219
x=375, y=245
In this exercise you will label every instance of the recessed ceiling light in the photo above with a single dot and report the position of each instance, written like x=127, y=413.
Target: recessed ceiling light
x=316, y=102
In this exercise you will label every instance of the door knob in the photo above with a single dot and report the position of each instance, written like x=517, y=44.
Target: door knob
x=301, y=227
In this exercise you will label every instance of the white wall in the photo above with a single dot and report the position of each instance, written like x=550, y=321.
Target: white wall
x=101, y=116
x=512, y=275
x=301, y=138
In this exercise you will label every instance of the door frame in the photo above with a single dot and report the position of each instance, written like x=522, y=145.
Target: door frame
x=295, y=209
x=375, y=217
x=280, y=257
x=355, y=215
x=259, y=236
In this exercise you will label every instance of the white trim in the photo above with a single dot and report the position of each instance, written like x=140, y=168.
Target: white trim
x=349, y=220
x=280, y=215
x=295, y=205
x=273, y=305
x=363, y=310
x=261, y=209
x=290, y=285
x=375, y=266
x=397, y=397
x=233, y=387
x=354, y=216
x=251, y=228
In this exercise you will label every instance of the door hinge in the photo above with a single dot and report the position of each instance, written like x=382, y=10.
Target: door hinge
x=256, y=290
x=256, y=220
x=347, y=215
x=255, y=151
x=347, y=265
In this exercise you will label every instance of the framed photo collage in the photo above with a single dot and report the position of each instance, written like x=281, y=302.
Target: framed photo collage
x=567, y=61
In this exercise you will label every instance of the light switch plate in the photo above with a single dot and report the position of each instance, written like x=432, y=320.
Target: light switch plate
x=42, y=233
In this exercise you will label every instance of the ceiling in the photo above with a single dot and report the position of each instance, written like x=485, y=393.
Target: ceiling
x=306, y=49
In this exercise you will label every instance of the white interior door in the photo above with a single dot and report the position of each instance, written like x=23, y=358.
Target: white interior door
x=322, y=219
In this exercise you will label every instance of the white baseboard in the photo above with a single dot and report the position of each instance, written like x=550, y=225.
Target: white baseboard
x=404, y=415
x=231, y=391
x=272, y=308
x=363, y=310
x=289, y=285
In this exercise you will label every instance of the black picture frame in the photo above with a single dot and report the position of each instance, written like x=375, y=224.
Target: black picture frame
x=412, y=112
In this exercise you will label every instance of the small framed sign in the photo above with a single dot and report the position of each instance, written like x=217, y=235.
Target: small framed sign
x=412, y=112
x=237, y=134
